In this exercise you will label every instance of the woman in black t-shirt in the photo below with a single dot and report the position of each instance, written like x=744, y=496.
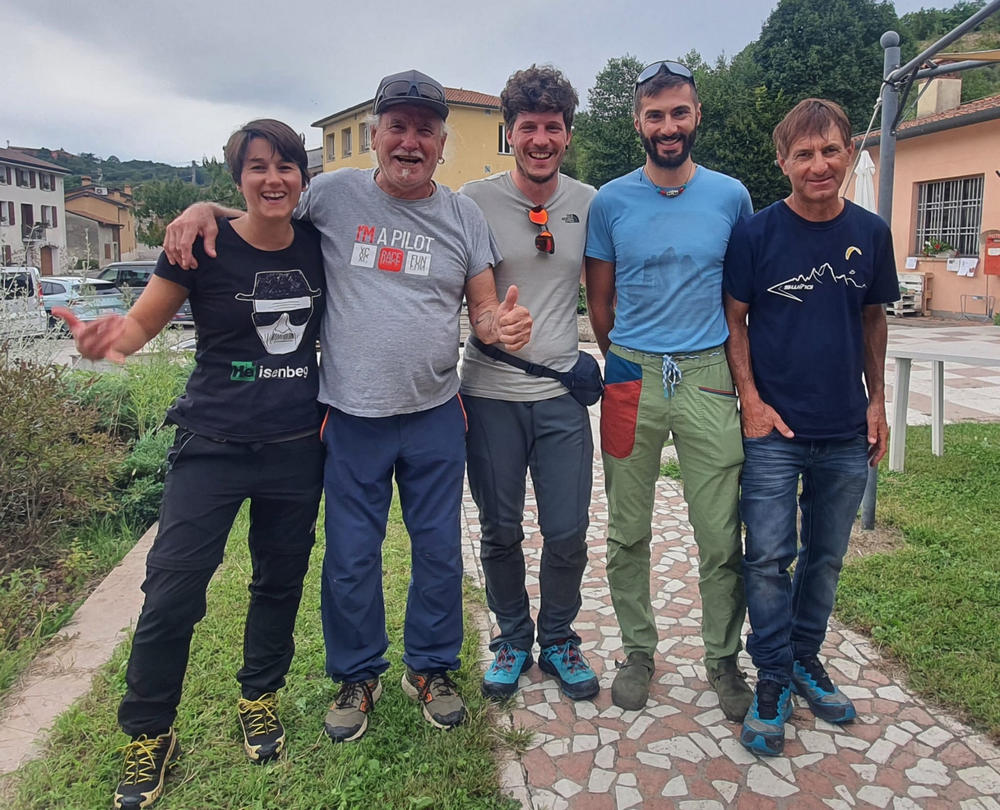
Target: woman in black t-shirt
x=247, y=427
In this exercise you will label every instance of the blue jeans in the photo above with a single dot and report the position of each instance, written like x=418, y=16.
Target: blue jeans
x=788, y=616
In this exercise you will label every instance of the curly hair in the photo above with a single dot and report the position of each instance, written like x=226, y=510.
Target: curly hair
x=538, y=89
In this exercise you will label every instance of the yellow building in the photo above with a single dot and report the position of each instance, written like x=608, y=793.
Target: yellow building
x=112, y=210
x=476, y=147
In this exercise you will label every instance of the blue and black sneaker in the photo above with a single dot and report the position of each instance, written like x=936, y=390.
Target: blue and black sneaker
x=564, y=660
x=764, y=726
x=500, y=680
x=827, y=702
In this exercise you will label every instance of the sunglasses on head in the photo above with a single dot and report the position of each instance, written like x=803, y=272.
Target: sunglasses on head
x=403, y=88
x=544, y=240
x=665, y=66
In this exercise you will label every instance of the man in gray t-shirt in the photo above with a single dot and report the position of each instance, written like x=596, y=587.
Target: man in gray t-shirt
x=400, y=252
x=519, y=422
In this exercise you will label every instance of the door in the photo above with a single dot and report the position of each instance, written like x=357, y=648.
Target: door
x=46, y=261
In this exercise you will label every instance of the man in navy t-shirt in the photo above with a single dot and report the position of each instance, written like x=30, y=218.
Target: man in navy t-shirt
x=805, y=282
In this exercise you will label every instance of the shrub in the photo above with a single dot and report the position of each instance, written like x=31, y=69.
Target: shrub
x=132, y=400
x=55, y=467
x=141, y=477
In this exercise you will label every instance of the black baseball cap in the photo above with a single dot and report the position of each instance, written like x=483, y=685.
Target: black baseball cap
x=410, y=87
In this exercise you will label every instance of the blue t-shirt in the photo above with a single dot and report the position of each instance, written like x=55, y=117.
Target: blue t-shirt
x=668, y=254
x=806, y=283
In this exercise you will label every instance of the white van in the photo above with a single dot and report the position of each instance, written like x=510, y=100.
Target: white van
x=22, y=314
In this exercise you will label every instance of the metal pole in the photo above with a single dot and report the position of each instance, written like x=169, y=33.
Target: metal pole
x=886, y=172
x=940, y=45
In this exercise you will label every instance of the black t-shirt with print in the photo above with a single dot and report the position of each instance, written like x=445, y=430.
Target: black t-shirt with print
x=257, y=315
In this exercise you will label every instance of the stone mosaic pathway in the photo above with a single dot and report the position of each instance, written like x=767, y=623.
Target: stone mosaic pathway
x=972, y=393
x=680, y=752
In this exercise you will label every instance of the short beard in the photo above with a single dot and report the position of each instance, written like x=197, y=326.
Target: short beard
x=687, y=143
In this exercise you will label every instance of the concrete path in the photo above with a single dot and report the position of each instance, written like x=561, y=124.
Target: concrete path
x=680, y=752
x=972, y=393
x=63, y=671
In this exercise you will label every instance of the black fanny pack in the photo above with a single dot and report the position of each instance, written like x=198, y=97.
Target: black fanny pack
x=583, y=380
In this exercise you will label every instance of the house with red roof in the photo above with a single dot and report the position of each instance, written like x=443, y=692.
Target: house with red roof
x=477, y=144
x=946, y=193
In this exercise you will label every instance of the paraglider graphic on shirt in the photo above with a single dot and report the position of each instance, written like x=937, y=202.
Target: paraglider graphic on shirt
x=282, y=306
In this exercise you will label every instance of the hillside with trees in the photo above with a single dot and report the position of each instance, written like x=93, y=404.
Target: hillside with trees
x=827, y=48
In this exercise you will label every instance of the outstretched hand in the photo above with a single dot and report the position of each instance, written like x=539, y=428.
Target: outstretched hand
x=513, y=322
x=94, y=339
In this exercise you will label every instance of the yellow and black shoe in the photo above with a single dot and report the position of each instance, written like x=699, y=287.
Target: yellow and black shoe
x=263, y=734
x=147, y=760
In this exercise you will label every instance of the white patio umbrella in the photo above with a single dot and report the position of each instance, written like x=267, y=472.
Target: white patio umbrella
x=864, y=182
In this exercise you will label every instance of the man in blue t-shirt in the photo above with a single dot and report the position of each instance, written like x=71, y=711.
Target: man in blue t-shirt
x=656, y=239
x=805, y=283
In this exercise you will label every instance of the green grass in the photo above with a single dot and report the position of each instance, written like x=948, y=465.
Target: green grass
x=671, y=468
x=35, y=604
x=935, y=604
x=402, y=762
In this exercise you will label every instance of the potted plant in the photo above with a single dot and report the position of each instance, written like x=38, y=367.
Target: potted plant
x=938, y=249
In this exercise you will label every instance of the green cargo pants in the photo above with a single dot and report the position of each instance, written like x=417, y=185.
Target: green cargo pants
x=644, y=403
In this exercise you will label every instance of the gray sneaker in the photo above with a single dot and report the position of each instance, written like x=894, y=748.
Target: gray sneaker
x=630, y=689
x=347, y=717
x=438, y=696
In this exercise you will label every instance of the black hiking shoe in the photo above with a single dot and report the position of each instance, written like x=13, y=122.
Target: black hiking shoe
x=144, y=770
x=263, y=734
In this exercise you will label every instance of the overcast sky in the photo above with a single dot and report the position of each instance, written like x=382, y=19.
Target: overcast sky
x=170, y=80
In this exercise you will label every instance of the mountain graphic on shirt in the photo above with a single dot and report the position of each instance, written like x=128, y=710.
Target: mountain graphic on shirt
x=803, y=284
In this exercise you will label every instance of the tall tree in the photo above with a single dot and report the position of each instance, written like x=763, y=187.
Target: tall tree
x=159, y=202
x=221, y=188
x=607, y=144
x=826, y=48
x=738, y=115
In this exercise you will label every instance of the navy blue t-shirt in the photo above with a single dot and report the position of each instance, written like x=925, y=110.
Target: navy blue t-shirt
x=806, y=283
x=257, y=313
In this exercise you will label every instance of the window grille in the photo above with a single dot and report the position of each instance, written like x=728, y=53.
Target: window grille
x=951, y=211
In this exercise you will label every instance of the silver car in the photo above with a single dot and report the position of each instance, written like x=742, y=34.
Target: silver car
x=87, y=298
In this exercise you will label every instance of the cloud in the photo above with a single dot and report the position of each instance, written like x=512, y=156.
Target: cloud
x=170, y=80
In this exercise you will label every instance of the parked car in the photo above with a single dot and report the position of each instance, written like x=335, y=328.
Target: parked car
x=87, y=298
x=132, y=277
x=22, y=314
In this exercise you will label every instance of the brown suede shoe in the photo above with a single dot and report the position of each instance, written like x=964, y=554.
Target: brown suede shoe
x=729, y=683
x=630, y=688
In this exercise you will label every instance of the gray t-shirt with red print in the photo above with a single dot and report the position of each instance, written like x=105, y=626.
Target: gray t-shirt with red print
x=396, y=272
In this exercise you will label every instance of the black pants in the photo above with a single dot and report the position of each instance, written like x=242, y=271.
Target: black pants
x=207, y=482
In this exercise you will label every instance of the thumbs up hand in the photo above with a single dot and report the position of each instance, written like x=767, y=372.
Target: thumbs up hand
x=513, y=322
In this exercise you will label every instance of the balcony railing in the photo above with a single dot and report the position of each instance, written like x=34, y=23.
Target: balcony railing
x=33, y=233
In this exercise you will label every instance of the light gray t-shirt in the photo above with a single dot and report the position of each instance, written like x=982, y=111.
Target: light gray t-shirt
x=396, y=273
x=547, y=284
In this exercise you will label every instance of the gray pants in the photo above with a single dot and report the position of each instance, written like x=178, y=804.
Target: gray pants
x=550, y=438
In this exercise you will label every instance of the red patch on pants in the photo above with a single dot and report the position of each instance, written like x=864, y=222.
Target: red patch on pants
x=620, y=405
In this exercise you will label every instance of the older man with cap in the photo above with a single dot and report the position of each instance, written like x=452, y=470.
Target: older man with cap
x=399, y=252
